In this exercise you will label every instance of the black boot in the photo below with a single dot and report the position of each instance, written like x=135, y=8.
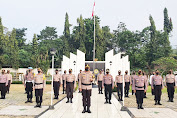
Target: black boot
x=84, y=110
x=106, y=101
x=119, y=98
x=155, y=103
x=27, y=101
x=88, y=110
x=40, y=105
x=71, y=100
x=30, y=100
x=110, y=102
x=67, y=101
x=37, y=105
x=159, y=102
x=138, y=106
x=141, y=107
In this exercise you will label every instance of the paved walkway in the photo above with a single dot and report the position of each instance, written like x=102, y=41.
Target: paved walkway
x=98, y=108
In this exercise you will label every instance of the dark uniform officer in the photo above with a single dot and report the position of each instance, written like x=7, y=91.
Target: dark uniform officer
x=64, y=78
x=85, y=85
x=78, y=78
x=29, y=85
x=138, y=86
x=70, y=85
x=57, y=81
x=3, y=84
x=119, y=85
x=99, y=81
x=39, y=85
x=127, y=79
x=170, y=84
x=108, y=83
x=157, y=85
x=132, y=78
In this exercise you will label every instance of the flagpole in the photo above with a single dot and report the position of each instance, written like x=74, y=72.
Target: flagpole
x=94, y=42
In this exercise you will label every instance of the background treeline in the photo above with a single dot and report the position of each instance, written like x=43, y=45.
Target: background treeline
x=148, y=49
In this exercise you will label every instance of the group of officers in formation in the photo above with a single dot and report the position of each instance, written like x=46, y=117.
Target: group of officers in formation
x=139, y=82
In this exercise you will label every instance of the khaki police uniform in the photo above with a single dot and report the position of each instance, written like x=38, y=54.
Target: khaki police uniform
x=57, y=81
x=99, y=81
x=132, y=78
x=9, y=78
x=170, y=83
x=3, y=85
x=127, y=80
x=29, y=86
x=63, y=79
x=119, y=83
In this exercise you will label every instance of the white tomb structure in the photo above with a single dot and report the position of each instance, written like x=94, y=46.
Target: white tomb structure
x=113, y=62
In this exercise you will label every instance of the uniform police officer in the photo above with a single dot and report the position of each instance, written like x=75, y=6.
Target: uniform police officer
x=146, y=79
x=170, y=84
x=9, y=78
x=64, y=78
x=57, y=81
x=85, y=85
x=29, y=85
x=99, y=81
x=78, y=78
x=39, y=85
x=3, y=84
x=127, y=79
x=138, y=86
x=132, y=78
x=119, y=85
x=70, y=85
x=108, y=86
x=157, y=85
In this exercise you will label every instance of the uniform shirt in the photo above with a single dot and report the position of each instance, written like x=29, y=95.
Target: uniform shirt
x=9, y=77
x=30, y=77
x=119, y=79
x=78, y=76
x=108, y=79
x=132, y=78
x=127, y=78
x=64, y=76
x=151, y=79
x=86, y=78
x=170, y=78
x=57, y=77
x=139, y=82
x=70, y=78
x=146, y=80
x=100, y=77
x=3, y=79
x=157, y=80
x=39, y=81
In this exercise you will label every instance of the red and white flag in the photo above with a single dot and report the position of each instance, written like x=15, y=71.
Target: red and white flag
x=93, y=11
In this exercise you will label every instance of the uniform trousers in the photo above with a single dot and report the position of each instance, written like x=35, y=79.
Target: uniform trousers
x=170, y=90
x=38, y=94
x=152, y=91
x=69, y=89
x=157, y=92
x=29, y=90
x=8, y=86
x=56, y=86
x=108, y=91
x=3, y=89
x=100, y=86
x=86, y=94
x=63, y=86
x=139, y=96
x=119, y=90
x=127, y=87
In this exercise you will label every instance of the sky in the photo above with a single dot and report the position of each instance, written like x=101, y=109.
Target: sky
x=35, y=15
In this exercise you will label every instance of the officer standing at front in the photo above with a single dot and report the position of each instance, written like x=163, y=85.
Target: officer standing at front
x=64, y=78
x=119, y=85
x=170, y=84
x=9, y=77
x=39, y=85
x=85, y=85
x=57, y=81
x=157, y=85
x=99, y=82
x=3, y=84
x=127, y=79
x=108, y=83
x=70, y=85
x=29, y=85
x=139, y=86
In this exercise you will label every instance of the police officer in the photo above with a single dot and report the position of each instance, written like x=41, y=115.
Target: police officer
x=9, y=78
x=85, y=85
x=127, y=79
x=152, y=90
x=3, y=84
x=70, y=85
x=39, y=85
x=170, y=84
x=108, y=86
x=138, y=86
x=64, y=78
x=132, y=78
x=119, y=85
x=146, y=79
x=57, y=81
x=99, y=82
x=157, y=85
x=78, y=78
x=29, y=85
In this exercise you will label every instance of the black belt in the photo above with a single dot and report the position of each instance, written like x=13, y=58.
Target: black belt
x=108, y=84
x=70, y=82
x=99, y=81
x=86, y=84
x=139, y=86
x=38, y=83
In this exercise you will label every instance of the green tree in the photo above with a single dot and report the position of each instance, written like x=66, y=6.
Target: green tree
x=34, y=56
x=20, y=34
x=49, y=33
x=1, y=39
